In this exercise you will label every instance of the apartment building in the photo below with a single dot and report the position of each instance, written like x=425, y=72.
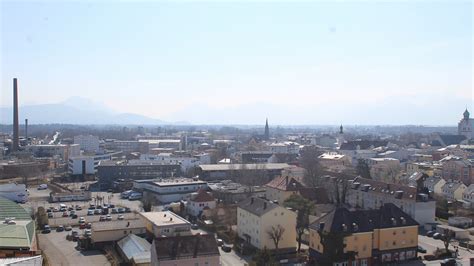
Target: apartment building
x=459, y=169
x=384, y=168
x=468, y=196
x=372, y=194
x=369, y=237
x=285, y=147
x=199, y=202
x=334, y=161
x=86, y=164
x=453, y=190
x=256, y=216
x=435, y=184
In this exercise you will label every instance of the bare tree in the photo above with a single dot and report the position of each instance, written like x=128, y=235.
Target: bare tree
x=276, y=234
x=447, y=237
x=310, y=162
x=340, y=189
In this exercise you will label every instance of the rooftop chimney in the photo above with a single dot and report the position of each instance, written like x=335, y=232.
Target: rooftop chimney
x=15, y=116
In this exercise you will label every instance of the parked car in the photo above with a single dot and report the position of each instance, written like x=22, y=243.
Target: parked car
x=111, y=206
x=82, y=226
x=194, y=226
x=87, y=232
x=68, y=228
x=82, y=220
x=108, y=217
x=220, y=242
x=90, y=212
x=78, y=208
x=75, y=235
x=102, y=218
x=74, y=216
x=71, y=213
x=43, y=186
x=120, y=210
x=121, y=217
x=226, y=249
x=448, y=262
x=55, y=209
x=114, y=210
x=430, y=233
x=50, y=215
x=127, y=209
x=89, y=225
x=437, y=236
x=46, y=229
x=49, y=210
x=135, y=196
x=97, y=212
x=70, y=208
x=65, y=214
x=60, y=228
x=421, y=249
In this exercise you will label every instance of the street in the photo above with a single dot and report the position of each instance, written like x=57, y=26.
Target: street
x=431, y=244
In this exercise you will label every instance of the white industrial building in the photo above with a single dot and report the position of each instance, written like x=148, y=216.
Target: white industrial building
x=50, y=150
x=86, y=165
x=169, y=190
x=88, y=143
x=186, y=162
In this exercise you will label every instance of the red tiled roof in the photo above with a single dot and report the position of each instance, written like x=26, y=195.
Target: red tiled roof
x=203, y=196
x=286, y=183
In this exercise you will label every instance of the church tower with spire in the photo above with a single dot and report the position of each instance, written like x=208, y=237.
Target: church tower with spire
x=466, y=126
x=266, y=136
x=340, y=136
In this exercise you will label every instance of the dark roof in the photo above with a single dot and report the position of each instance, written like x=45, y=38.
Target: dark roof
x=363, y=144
x=257, y=206
x=316, y=194
x=387, y=189
x=177, y=247
x=452, y=139
x=343, y=220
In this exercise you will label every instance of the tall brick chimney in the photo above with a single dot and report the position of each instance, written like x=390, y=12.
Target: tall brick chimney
x=15, y=116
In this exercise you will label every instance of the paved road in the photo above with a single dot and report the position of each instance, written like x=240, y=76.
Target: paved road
x=431, y=245
x=63, y=252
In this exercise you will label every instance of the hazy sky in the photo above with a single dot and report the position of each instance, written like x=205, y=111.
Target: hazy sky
x=240, y=62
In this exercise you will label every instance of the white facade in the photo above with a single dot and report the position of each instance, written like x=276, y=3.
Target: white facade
x=88, y=143
x=90, y=163
x=195, y=206
x=186, y=162
x=435, y=184
x=355, y=155
x=285, y=147
x=165, y=223
x=453, y=191
x=14, y=192
x=253, y=228
x=171, y=190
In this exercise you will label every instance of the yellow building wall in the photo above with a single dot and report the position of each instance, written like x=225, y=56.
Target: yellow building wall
x=315, y=241
x=286, y=219
x=360, y=243
x=398, y=237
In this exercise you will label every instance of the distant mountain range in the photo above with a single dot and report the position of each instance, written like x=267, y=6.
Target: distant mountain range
x=75, y=110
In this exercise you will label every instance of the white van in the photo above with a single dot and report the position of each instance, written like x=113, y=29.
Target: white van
x=43, y=186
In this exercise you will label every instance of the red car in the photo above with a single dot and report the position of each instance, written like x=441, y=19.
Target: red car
x=82, y=226
x=65, y=214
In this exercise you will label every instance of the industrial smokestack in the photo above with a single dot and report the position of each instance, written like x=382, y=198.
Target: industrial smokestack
x=26, y=130
x=15, y=116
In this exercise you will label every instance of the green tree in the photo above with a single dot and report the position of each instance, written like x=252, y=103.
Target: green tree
x=304, y=208
x=363, y=169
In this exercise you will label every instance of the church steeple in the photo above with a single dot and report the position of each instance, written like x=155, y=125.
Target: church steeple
x=466, y=114
x=267, y=130
x=341, y=131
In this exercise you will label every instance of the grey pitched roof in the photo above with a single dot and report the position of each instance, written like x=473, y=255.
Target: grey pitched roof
x=452, y=139
x=257, y=206
x=343, y=220
x=133, y=245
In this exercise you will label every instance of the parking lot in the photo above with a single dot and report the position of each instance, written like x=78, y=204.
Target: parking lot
x=61, y=251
